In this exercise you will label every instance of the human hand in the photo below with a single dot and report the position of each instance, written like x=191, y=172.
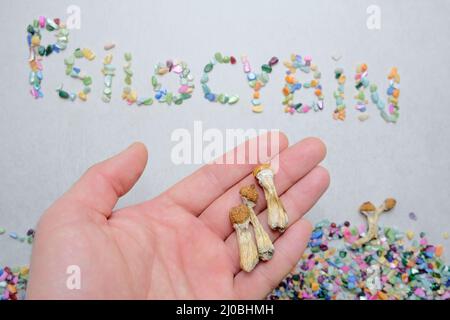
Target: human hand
x=179, y=245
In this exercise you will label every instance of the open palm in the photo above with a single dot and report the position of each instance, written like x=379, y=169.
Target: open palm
x=179, y=245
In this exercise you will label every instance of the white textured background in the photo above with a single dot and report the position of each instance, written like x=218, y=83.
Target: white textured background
x=47, y=144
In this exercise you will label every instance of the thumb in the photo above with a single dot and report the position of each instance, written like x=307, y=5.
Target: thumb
x=104, y=183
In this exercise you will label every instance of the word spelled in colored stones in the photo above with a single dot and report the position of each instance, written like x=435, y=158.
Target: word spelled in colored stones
x=389, y=110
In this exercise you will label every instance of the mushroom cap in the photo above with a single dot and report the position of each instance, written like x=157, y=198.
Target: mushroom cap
x=250, y=193
x=389, y=204
x=259, y=168
x=239, y=214
x=367, y=207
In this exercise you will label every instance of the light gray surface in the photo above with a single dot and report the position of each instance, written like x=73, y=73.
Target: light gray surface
x=47, y=144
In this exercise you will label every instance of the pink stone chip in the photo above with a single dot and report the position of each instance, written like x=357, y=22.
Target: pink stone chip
x=183, y=89
x=177, y=69
x=42, y=22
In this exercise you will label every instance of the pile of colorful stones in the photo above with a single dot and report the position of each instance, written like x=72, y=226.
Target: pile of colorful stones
x=38, y=50
x=390, y=268
x=292, y=85
x=13, y=283
x=222, y=98
x=256, y=81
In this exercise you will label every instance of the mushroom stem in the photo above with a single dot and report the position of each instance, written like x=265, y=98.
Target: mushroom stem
x=248, y=253
x=373, y=214
x=249, y=197
x=277, y=215
x=263, y=242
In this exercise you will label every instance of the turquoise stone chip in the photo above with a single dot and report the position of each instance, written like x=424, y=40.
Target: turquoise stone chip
x=178, y=101
x=32, y=77
x=305, y=69
x=266, y=68
x=251, y=76
x=204, y=78
x=264, y=77
x=206, y=89
x=233, y=99
x=256, y=102
x=61, y=45
x=63, y=94
x=374, y=96
x=108, y=81
x=208, y=68
x=41, y=50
